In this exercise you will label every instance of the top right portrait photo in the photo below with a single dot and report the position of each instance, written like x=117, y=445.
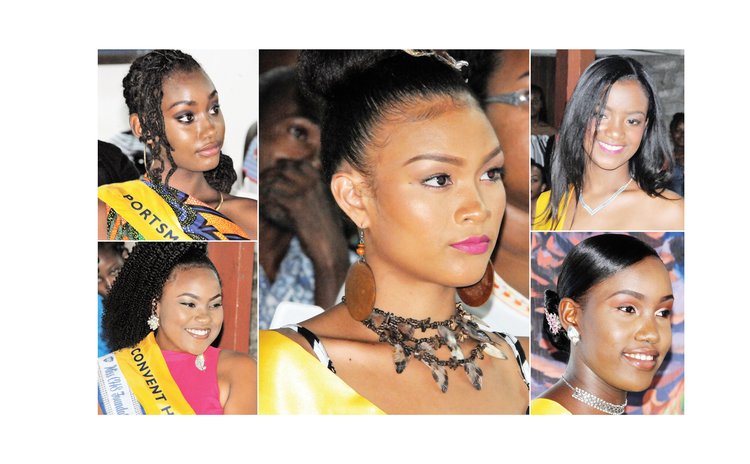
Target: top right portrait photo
x=607, y=140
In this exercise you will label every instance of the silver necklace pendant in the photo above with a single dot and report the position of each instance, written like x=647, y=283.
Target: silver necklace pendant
x=200, y=362
x=595, y=402
x=605, y=203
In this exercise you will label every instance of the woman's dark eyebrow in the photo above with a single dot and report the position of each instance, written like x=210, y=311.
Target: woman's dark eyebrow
x=443, y=158
x=639, y=295
x=192, y=102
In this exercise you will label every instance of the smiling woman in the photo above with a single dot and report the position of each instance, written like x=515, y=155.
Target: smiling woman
x=161, y=317
x=174, y=110
x=612, y=161
x=415, y=164
x=612, y=312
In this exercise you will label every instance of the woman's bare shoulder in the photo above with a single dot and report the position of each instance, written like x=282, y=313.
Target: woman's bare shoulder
x=243, y=211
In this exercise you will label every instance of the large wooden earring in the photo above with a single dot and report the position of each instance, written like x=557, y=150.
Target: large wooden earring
x=359, y=288
x=478, y=294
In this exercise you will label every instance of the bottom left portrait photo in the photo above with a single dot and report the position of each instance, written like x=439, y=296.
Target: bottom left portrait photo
x=175, y=328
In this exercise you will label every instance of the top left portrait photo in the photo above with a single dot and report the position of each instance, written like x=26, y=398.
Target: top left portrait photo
x=177, y=139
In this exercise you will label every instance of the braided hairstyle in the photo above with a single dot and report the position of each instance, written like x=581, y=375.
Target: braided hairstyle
x=588, y=263
x=141, y=281
x=359, y=88
x=143, y=91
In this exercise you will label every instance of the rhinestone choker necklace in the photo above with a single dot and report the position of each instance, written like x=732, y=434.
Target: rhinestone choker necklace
x=399, y=332
x=605, y=203
x=595, y=402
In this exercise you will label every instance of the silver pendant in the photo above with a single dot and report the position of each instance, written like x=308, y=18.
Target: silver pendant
x=200, y=362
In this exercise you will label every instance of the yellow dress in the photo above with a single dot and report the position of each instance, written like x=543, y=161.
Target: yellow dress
x=542, y=223
x=545, y=407
x=293, y=381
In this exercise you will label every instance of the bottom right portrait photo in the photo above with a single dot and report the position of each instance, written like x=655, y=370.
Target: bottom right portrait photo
x=607, y=333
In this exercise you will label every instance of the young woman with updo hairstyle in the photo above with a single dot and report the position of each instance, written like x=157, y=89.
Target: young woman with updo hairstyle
x=413, y=161
x=174, y=110
x=612, y=162
x=611, y=311
x=161, y=316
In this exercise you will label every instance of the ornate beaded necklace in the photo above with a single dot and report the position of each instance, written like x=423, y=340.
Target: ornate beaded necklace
x=595, y=402
x=399, y=332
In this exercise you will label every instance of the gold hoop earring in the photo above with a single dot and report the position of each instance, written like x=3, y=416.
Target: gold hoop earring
x=359, y=289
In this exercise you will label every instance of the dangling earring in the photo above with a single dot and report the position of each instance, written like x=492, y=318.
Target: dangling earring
x=153, y=320
x=478, y=294
x=573, y=335
x=359, y=288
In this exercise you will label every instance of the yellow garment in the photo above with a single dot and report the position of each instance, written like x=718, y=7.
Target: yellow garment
x=540, y=223
x=136, y=203
x=149, y=378
x=293, y=381
x=545, y=407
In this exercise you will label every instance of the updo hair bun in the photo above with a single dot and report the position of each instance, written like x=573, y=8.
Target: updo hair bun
x=558, y=338
x=357, y=89
x=324, y=72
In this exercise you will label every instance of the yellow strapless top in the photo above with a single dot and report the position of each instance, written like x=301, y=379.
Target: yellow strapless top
x=545, y=407
x=540, y=223
x=293, y=381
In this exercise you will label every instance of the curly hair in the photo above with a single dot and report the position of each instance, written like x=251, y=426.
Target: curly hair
x=143, y=92
x=141, y=281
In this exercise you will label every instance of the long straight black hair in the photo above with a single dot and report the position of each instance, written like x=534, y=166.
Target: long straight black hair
x=652, y=164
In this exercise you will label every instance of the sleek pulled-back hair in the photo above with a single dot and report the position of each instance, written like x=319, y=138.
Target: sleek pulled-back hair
x=143, y=92
x=140, y=282
x=651, y=166
x=590, y=262
x=359, y=88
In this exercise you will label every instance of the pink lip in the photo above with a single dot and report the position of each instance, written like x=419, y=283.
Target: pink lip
x=209, y=150
x=642, y=364
x=475, y=245
x=611, y=152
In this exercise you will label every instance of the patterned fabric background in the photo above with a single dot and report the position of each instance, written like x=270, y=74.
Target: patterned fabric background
x=548, y=250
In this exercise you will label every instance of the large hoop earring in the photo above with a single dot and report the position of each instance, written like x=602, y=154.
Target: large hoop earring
x=359, y=289
x=478, y=294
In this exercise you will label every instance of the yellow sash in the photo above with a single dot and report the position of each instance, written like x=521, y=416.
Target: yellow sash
x=292, y=381
x=543, y=406
x=144, y=209
x=148, y=377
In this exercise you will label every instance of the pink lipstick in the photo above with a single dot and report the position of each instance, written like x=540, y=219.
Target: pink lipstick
x=611, y=149
x=475, y=245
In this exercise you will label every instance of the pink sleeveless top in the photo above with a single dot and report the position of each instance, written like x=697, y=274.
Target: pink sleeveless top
x=200, y=389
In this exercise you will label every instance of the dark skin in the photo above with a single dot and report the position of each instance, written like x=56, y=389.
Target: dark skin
x=194, y=127
x=295, y=201
x=511, y=124
x=628, y=313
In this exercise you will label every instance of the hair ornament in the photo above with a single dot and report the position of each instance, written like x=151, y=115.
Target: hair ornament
x=551, y=300
x=554, y=323
x=441, y=55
